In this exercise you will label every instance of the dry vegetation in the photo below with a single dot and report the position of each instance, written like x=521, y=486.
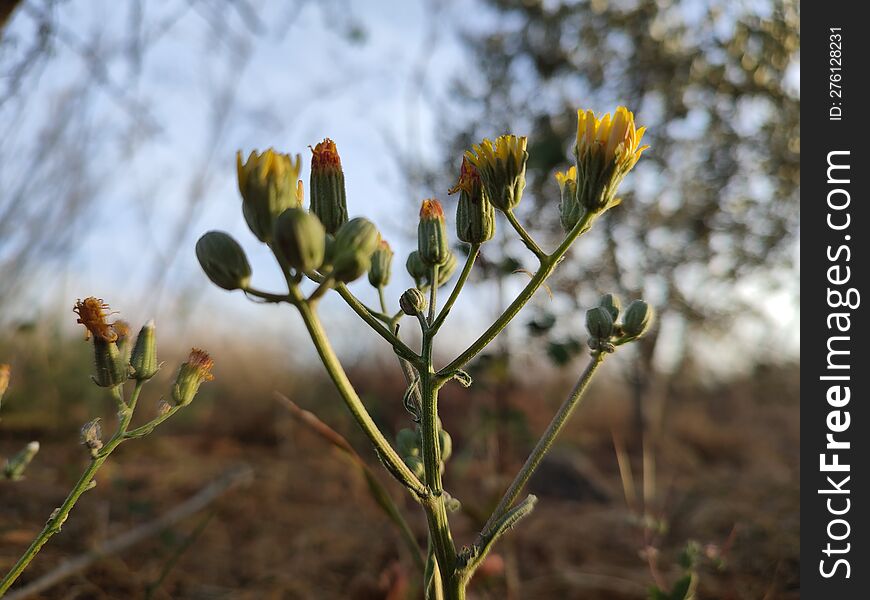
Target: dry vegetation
x=725, y=469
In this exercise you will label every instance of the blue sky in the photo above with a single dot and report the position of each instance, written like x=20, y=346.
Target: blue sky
x=369, y=75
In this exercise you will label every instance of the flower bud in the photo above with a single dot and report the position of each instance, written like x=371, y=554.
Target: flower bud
x=417, y=269
x=475, y=216
x=15, y=466
x=570, y=209
x=144, y=358
x=502, y=168
x=408, y=442
x=268, y=184
x=446, y=271
x=191, y=375
x=605, y=151
x=432, y=234
x=300, y=240
x=355, y=242
x=612, y=304
x=109, y=365
x=223, y=260
x=599, y=323
x=415, y=463
x=382, y=260
x=446, y=443
x=637, y=319
x=412, y=302
x=92, y=436
x=328, y=197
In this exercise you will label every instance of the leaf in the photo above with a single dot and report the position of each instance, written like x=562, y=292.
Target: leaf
x=681, y=589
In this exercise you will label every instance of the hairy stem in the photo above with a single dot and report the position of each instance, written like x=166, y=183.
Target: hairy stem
x=60, y=514
x=548, y=265
x=463, y=277
x=544, y=444
x=354, y=403
x=524, y=235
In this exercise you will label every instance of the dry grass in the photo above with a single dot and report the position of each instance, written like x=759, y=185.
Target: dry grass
x=725, y=461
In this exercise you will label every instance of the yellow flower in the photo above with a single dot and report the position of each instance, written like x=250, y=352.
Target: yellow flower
x=606, y=149
x=268, y=184
x=502, y=168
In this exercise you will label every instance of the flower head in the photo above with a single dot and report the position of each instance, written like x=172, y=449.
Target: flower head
x=475, y=216
x=606, y=149
x=93, y=314
x=328, y=195
x=268, y=184
x=191, y=375
x=325, y=156
x=502, y=168
x=570, y=209
x=432, y=234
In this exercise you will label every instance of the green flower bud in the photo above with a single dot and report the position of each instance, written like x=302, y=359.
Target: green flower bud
x=502, y=168
x=417, y=269
x=300, y=240
x=612, y=304
x=412, y=302
x=355, y=242
x=408, y=442
x=599, y=323
x=446, y=443
x=415, y=463
x=637, y=319
x=382, y=260
x=109, y=365
x=122, y=330
x=268, y=184
x=223, y=260
x=144, y=358
x=15, y=466
x=475, y=216
x=432, y=234
x=446, y=271
x=570, y=209
x=191, y=375
x=328, y=196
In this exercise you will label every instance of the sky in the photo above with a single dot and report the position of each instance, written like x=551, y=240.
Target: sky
x=369, y=75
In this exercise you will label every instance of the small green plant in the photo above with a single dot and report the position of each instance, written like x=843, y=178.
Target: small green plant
x=118, y=362
x=322, y=245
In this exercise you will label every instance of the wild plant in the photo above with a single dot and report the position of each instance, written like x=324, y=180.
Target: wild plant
x=320, y=249
x=118, y=363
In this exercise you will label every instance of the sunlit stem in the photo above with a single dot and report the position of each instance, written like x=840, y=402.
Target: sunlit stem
x=463, y=277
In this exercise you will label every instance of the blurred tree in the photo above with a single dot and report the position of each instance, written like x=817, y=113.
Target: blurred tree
x=714, y=202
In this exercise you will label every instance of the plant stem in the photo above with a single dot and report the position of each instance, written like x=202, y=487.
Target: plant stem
x=382, y=300
x=346, y=390
x=544, y=444
x=373, y=322
x=548, y=265
x=59, y=516
x=436, y=510
x=466, y=271
x=433, y=293
x=524, y=235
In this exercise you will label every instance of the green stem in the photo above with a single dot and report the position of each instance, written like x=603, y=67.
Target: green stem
x=267, y=296
x=544, y=444
x=436, y=510
x=548, y=265
x=346, y=390
x=466, y=271
x=433, y=293
x=382, y=300
x=366, y=315
x=524, y=235
x=59, y=516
